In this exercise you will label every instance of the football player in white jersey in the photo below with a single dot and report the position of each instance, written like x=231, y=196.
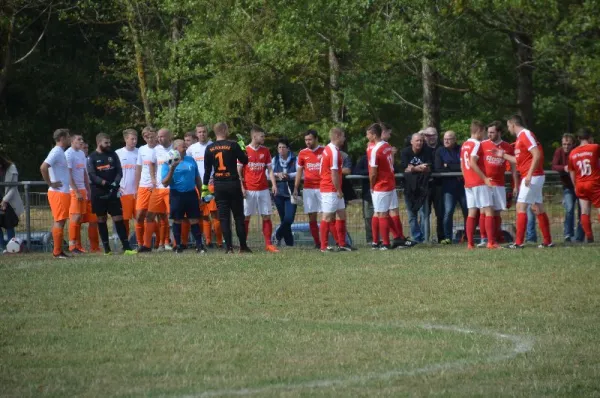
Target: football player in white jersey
x=128, y=157
x=80, y=191
x=145, y=181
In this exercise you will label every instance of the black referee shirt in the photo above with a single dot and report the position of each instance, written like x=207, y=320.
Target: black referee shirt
x=103, y=166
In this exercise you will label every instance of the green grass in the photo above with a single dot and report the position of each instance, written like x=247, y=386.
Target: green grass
x=301, y=323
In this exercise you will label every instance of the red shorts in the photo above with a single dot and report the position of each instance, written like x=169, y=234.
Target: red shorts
x=78, y=206
x=59, y=204
x=159, y=201
x=128, y=205
x=589, y=191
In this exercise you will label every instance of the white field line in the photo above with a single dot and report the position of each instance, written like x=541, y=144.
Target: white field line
x=520, y=345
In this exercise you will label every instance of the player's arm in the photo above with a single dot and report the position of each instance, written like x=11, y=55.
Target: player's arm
x=510, y=158
x=72, y=184
x=167, y=172
x=119, y=172
x=299, y=171
x=478, y=171
x=272, y=178
x=94, y=177
x=373, y=169
x=240, y=155
x=536, y=155
x=240, y=169
x=152, y=171
x=208, y=166
x=138, y=172
x=45, y=171
x=336, y=182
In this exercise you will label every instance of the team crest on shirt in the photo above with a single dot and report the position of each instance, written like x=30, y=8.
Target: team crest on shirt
x=109, y=159
x=262, y=156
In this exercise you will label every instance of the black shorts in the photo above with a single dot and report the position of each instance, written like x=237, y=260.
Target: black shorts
x=184, y=204
x=103, y=206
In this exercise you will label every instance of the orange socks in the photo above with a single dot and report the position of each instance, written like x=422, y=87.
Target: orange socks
x=216, y=225
x=139, y=233
x=57, y=237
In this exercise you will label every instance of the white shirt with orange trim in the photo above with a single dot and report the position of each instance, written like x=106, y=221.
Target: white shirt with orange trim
x=59, y=170
x=145, y=158
x=197, y=151
x=161, y=156
x=77, y=163
x=128, y=161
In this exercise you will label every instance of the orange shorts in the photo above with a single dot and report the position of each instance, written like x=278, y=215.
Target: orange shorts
x=159, y=201
x=78, y=206
x=59, y=204
x=89, y=216
x=128, y=204
x=208, y=208
x=589, y=191
x=143, y=198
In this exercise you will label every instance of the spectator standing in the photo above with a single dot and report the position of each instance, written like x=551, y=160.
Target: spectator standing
x=284, y=169
x=417, y=161
x=560, y=163
x=10, y=197
x=436, y=196
x=447, y=160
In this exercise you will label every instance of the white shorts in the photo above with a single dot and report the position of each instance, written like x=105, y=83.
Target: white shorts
x=330, y=203
x=533, y=193
x=312, y=200
x=499, y=198
x=384, y=201
x=479, y=197
x=257, y=202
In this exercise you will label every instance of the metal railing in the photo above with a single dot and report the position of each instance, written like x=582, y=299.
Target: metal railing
x=36, y=221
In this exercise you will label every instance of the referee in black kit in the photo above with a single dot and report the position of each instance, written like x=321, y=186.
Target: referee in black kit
x=223, y=155
x=104, y=169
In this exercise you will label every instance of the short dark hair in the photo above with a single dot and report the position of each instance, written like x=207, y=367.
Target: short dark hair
x=256, y=129
x=4, y=162
x=385, y=126
x=497, y=124
x=284, y=141
x=190, y=134
x=584, y=133
x=571, y=137
x=375, y=128
x=313, y=133
x=517, y=119
x=101, y=136
x=202, y=124
x=60, y=133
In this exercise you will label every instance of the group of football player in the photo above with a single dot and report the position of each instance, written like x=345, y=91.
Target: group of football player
x=75, y=177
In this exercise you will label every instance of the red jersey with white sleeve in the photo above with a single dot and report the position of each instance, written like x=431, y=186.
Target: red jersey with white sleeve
x=526, y=141
x=470, y=148
x=382, y=158
x=255, y=178
x=309, y=160
x=495, y=166
x=583, y=160
x=330, y=160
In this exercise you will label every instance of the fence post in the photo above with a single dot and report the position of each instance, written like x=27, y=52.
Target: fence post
x=28, y=214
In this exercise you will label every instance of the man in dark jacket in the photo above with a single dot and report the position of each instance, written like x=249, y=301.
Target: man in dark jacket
x=559, y=164
x=447, y=159
x=417, y=161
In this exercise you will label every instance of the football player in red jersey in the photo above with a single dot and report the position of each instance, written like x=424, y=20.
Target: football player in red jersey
x=584, y=169
x=477, y=185
x=382, y=182
x=495, y=168
x=332, y=198
x=529, y=158
x=257, y=199
x=309, y=165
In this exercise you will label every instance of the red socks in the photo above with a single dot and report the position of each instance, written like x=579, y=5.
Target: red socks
x=324, y=231
x=471, y=222
x=545, y=227
x=586, y=224
x=314, y=231
x=341, y=232
x=375, y=229
x=267, y=231
x=521, y=227
x=489, y=226
x=482, y=227
x=384, y=230
x=396, y=227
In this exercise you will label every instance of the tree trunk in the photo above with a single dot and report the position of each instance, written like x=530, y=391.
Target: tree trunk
x=7, y=56
x=522, y=47
x=139, y=62
x=175, y=89
x=334, y=74
x=431, y=96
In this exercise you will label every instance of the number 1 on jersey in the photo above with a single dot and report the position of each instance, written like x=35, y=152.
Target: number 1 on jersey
x=219, y=157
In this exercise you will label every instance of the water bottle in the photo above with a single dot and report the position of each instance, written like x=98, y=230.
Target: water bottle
x=208, y=198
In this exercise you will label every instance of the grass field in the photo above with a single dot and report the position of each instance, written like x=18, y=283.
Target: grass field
x=428, y=321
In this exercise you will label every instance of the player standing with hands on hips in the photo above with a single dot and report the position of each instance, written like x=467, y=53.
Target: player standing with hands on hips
x=222, y=157
x=181, y=175
x=104, y=169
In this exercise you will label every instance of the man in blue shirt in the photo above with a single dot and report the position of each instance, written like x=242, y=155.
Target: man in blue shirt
x=182, y=177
